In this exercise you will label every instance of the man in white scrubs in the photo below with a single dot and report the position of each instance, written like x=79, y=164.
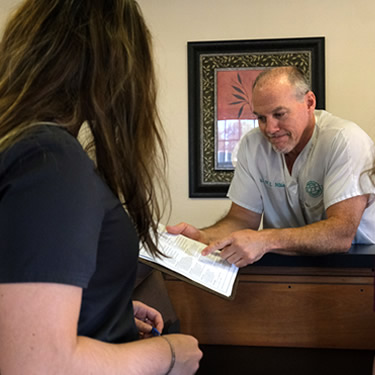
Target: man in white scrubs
x=304, y=170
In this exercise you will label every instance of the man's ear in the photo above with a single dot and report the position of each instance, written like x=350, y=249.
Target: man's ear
x=310, y=100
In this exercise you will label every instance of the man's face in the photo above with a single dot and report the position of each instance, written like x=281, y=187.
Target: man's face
x=286, y=122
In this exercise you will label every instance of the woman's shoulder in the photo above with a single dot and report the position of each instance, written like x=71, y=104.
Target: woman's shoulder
x=45, y=139
x=47, y=146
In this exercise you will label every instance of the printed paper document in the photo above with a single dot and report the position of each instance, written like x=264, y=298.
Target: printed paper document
x=184, y=257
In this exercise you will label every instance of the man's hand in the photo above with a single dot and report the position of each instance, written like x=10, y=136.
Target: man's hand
x=188, y=231
x=239, y=248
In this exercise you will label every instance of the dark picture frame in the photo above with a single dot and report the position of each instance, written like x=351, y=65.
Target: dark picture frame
x=208, y=59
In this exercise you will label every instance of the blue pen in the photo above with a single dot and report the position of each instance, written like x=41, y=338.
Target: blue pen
x=155, y=332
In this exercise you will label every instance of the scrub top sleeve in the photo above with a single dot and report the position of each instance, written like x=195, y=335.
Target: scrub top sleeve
x=243, y=189
x=351, y=155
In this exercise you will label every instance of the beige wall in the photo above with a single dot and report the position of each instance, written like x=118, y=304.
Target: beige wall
x=350, y=59
x=5, y=7
x=349, y=30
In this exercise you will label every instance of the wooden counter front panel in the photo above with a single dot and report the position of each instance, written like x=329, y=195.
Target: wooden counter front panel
x=281, y=311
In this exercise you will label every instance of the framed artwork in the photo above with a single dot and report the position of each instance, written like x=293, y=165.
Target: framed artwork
x=220, y=79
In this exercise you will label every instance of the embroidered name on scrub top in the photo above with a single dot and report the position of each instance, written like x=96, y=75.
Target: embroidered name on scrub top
x=272, y=184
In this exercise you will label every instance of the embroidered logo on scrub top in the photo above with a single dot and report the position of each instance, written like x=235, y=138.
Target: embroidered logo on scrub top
x=314, y=189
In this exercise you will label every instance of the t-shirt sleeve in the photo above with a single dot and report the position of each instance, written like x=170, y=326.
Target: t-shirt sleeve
x=49, y=216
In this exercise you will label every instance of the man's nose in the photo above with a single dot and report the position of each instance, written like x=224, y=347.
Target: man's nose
x=272, y=126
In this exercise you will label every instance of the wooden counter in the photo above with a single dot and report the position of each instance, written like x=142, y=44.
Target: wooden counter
x=283, y=301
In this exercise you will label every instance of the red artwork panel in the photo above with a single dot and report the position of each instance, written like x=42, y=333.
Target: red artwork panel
x=234, y=93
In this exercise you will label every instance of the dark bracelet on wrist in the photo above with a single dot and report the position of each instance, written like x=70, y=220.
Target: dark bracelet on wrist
x=173, y=359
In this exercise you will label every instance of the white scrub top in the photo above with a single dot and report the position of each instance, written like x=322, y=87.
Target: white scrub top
x=328, y=170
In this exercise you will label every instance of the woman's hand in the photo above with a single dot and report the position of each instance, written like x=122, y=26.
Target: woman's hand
x=147, y=318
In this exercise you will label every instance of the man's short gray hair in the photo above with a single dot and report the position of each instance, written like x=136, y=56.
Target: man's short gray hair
x=295, y=77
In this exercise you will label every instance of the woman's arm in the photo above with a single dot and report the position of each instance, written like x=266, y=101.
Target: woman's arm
x=38, y=335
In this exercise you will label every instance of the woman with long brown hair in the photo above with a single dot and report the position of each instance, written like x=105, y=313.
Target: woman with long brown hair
x=69, y=228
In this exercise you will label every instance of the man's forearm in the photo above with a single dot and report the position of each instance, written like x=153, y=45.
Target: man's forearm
x=335, y=234
x=244, y=247
x=323, y=237
x=238, y=218
x=220, y=229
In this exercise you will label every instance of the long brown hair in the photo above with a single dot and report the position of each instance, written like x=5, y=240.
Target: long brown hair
x=71, y=61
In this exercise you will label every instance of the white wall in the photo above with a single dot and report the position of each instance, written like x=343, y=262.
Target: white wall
x=350, y=59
